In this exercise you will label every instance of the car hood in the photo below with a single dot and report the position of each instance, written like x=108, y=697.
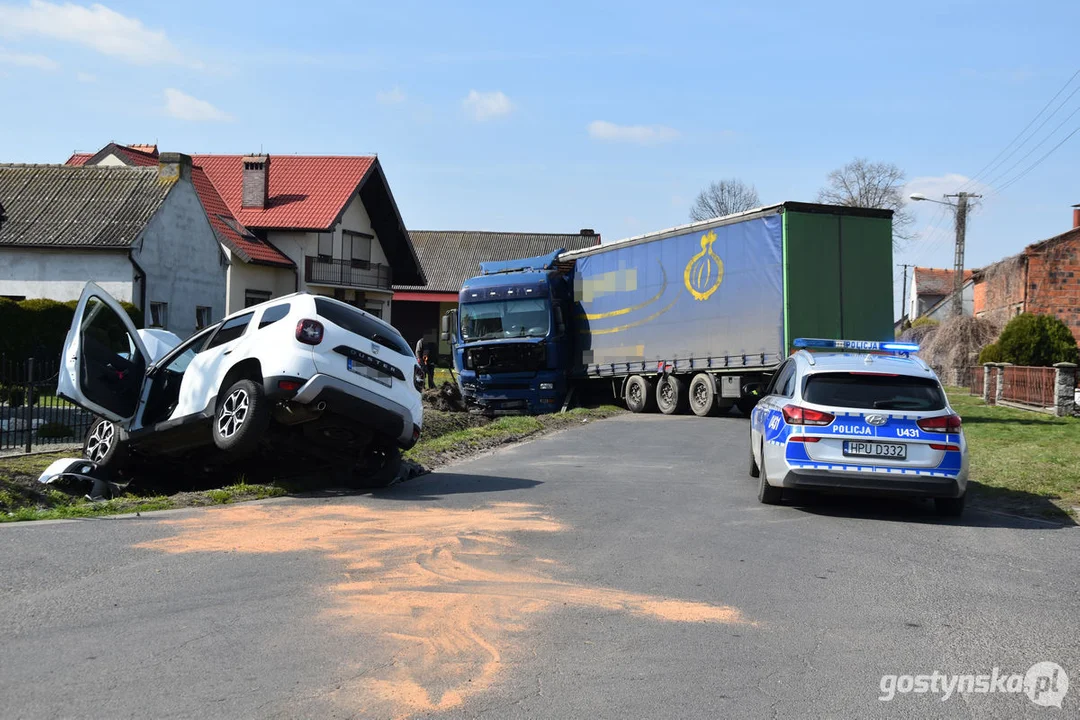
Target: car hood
x=158, y=343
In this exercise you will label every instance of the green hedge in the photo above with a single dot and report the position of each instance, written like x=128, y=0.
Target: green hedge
x=37, y=328
x=1039, y=340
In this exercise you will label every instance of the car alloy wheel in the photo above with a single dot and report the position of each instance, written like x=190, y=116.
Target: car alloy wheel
x=100, y=441
x=233, y=413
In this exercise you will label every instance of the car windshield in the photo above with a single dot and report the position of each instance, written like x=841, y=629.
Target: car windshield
x=874, y=391
x=505, y=318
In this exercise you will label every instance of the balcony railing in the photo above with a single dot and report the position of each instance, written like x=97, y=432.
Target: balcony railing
x=345, y=273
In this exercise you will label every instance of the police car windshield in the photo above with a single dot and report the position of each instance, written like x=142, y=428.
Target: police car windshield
x=877, y=392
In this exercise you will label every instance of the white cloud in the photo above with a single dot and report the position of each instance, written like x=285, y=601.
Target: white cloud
x=23, y=60
x=390, y=97
x=486, y=105
x=184, y=107
x=95, y=26
x=934, y=187
x=85, y=77
x=637, y=134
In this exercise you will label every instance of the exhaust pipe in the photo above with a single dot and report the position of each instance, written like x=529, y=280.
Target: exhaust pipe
x=321, y=406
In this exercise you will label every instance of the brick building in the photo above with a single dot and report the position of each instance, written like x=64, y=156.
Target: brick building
x=1044, y=279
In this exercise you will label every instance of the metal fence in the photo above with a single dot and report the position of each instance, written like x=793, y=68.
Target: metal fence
x=1029, y=385
x=976, y=385
x=31, y=415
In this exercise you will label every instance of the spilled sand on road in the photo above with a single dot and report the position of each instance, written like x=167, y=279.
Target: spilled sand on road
x=447, y=590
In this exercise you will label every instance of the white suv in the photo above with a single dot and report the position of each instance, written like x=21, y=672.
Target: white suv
x=300, y=374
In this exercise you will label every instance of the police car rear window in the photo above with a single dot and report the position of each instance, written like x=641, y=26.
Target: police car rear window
x=359, y=323
x=877, y=392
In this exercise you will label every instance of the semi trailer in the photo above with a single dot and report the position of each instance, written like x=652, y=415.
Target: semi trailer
x=695, y=317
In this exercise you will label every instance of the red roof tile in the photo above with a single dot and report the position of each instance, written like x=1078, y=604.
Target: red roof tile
x=247, y=246
x=79, y=159
x=936, y=281
x=306, y=191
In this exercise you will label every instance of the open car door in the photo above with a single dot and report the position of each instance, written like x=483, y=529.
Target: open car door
x=104, y=359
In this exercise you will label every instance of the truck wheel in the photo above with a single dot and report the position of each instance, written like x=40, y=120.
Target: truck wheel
x=242, y=417
x=703, y=395
x=104, y=447
x=671, y=395
x=639, y=395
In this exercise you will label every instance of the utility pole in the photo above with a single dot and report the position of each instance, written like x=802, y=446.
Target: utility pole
x=958, y=260
x=903, y=302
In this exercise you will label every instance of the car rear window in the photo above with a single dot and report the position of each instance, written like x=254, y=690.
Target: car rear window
x=357, y=322
x=877, y=392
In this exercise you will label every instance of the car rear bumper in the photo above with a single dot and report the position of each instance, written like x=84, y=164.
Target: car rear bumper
x=380, y=414
x=884, y=483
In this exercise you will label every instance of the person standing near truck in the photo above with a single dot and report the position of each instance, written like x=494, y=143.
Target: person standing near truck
x=423, y=356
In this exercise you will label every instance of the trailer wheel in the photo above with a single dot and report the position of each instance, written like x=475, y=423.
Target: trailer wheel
x=671, y=396
x=639, y=394
x=703, y=395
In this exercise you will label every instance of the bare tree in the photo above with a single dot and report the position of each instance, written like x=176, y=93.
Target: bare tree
x=866, y=184
x=724, y=198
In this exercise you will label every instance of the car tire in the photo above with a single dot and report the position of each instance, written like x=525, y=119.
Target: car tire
x=702, y=395
x=767, y=494
x=671, y=396
x=241, y=419
x=379, y=469
x=638, y=394
x=950, y=507
x=105, y=447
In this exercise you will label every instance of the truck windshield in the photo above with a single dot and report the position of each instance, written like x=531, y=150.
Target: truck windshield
x=505, y=318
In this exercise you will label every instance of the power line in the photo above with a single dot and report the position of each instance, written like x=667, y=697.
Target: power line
x=991, y=164
x=1029, y=153
x=1037, y=162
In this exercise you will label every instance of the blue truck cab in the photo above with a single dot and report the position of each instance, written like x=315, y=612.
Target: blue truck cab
x=511, y=345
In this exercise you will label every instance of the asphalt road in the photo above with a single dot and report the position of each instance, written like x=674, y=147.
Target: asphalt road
x=623, y=569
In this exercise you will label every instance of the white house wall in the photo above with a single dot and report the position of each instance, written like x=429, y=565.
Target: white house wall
x=62, y=274
x=184, y=264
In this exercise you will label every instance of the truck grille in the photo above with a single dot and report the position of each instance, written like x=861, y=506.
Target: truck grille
x=514, y=357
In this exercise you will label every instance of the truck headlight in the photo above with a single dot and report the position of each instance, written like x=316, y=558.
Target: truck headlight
x=547, y=386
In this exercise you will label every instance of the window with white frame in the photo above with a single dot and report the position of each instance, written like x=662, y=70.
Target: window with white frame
x=202, y=316
x=159, y=315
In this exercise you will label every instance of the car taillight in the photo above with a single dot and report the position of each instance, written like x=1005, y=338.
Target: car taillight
x=803, y=439
x=795, y=415
x=946, y=448
x=309, y=332
x=418, y=378
x=289, y=385
x=941, y=424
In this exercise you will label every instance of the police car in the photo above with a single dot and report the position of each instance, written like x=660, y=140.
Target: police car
x=858, y=416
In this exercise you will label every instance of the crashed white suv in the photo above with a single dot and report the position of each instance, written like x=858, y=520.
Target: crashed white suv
x=298, y=375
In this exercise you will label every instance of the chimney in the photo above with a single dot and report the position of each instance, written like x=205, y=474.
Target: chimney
x=1076, y=216
x=174, y=166
x=256, y=188
x=586, y=232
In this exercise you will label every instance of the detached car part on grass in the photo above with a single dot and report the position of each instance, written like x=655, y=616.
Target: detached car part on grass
x=301, y=377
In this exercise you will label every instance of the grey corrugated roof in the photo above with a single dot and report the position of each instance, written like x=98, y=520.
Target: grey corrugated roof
x=450, y=257
x=91, y=206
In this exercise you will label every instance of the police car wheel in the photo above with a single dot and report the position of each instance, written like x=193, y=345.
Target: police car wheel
x=755, y=471
x=950, y=507
x=767, y=494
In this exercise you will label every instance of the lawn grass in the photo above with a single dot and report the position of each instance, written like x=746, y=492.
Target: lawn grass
x=1019, y=455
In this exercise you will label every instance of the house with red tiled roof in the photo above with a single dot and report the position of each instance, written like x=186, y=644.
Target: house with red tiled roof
x=323, y=224
x=931, y=292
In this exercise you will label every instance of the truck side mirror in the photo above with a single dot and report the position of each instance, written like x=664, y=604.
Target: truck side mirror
x=448, y=329
x=560, y=323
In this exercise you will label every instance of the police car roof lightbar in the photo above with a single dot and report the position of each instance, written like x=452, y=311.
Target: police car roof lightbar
x=858, y=345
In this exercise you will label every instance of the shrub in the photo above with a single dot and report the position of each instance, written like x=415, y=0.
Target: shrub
x=1039, y=340
x=54, y=430
x=37, y=328
x=16, y=395
x=990, y=354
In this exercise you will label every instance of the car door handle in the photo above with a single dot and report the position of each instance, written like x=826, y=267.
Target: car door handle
x=226, y=352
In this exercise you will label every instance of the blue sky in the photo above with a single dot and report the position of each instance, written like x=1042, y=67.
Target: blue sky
x=557, y=116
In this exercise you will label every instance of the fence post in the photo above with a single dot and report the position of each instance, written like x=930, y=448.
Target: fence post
x=1064, y=388
x=29, y=404
x=988, y=378
x=999, y=393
